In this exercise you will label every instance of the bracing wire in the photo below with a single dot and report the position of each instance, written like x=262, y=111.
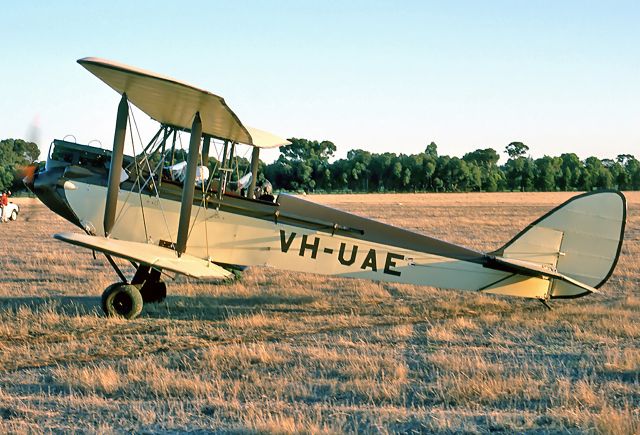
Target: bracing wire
x=155, y=186
x=247, y=168
x=204, y=201
x=145, y=161
x=212, y=177
x=204, y=204
x=180, y=140
x=215, y=167
x=138, y=173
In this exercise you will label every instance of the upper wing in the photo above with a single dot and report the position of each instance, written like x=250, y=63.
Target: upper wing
x=264, y=139
x=155, y=256
x=173, y=102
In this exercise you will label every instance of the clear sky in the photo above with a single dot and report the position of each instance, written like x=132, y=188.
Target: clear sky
x=560, y=76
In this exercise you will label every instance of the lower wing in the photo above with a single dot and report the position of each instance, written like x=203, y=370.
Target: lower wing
x=144, y=253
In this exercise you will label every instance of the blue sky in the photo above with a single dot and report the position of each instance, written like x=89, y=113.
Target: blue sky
x=561, y=76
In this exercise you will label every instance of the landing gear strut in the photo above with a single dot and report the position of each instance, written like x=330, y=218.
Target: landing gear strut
x=125, y=300
x=152, y=288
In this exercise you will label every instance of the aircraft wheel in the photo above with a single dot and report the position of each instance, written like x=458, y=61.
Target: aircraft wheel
x=14, y=215
x=122, y=300
x=153, y=291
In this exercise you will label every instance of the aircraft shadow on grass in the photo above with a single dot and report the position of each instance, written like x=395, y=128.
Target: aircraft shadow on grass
x=200, y=307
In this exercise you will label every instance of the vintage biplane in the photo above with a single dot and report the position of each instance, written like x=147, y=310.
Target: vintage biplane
x=130, y=208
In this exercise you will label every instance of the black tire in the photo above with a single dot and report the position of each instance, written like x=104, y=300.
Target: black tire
x=153, y=291
x=14, y=215
x=122, y=300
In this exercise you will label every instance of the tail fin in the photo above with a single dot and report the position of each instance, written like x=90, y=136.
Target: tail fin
x=580, y=239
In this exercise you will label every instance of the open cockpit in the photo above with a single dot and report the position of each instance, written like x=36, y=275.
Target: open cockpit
x=163, y=163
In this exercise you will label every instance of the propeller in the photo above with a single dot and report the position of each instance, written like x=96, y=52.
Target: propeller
x=28, y=174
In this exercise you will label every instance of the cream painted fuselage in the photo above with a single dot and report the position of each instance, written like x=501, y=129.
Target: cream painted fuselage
x=224, y=233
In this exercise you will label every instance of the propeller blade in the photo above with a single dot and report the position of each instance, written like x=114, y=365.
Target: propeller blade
x=28, y=174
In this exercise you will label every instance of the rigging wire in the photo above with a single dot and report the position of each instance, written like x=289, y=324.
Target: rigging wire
x=247, y=168
x=154, y=185
x=138, y=174
x=204, y=201
x=215, y=167
x=206, y=195
x=204, y=204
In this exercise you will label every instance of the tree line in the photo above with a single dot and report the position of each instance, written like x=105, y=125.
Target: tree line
x=305, y=166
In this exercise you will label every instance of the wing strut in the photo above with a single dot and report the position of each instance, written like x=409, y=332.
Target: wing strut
x=255, y=159
x=115, y=169
x=189, y=185
x=206, y=143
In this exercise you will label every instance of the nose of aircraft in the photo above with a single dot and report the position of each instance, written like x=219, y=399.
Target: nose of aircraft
x=45, y=186
x=29, y=176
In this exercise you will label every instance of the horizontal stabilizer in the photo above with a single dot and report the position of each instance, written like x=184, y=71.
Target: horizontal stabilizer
x=535, y=270
x=152, y=255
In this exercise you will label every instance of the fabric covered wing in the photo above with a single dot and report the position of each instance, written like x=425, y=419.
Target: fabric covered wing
x=173, y=102
x=155, y=256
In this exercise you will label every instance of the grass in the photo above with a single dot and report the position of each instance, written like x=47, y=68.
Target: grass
x=285, y=352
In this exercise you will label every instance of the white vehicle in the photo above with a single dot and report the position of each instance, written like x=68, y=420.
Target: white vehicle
x=10, y=212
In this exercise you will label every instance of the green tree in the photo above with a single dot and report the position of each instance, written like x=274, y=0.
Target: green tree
x=548, y=170
x=520, y=174
x=570, y=172
x=429, y=164
x=303, y=165
x=629, y=177
x=378, y=171
x=516, y=149
x=632, y=169
x=596, y=175
x=15, y=155
x=304, y=149
x=340, y=174
x=432, y=150
x=359, y=169
x=490, y=175
x=617, y=171
x=456, y=175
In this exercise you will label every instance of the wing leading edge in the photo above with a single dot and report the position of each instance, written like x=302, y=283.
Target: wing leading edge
x=155, y=256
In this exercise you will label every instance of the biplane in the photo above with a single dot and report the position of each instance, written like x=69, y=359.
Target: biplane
x=199, y=225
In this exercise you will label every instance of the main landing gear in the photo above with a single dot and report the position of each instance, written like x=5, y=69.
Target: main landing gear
x=122, y=300
x=125, y=300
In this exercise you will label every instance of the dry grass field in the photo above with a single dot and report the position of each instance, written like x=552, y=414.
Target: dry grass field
x=288, y=352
